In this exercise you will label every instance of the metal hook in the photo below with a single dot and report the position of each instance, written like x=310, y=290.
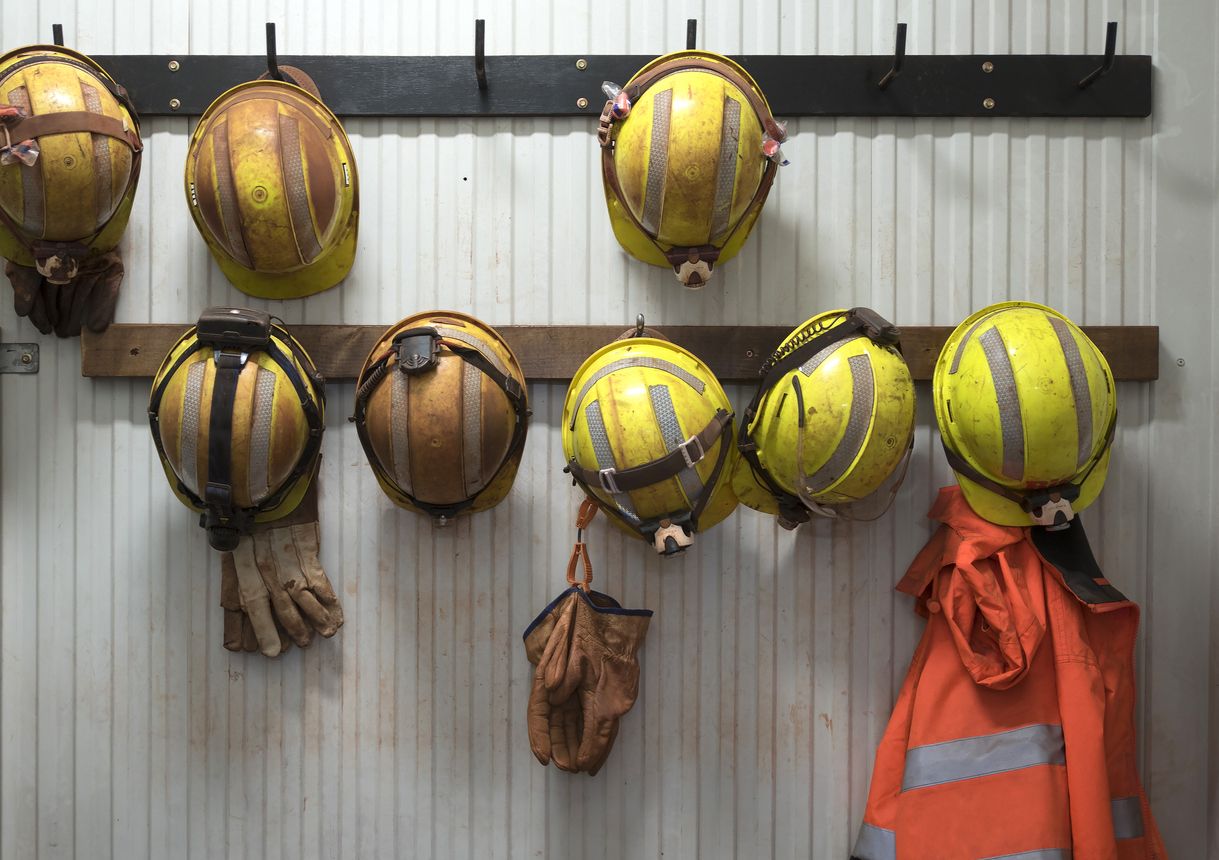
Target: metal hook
x=1110, y=51
x=480, y=59
x=639, y=324
x=691, y=33
x=273, y=71
x=899, y=56
x=57, y=34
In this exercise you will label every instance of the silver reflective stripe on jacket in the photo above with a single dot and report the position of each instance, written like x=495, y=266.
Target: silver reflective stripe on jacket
x=875, y=843
x=968, y=758
x=1042, y=854
x=1127, y=818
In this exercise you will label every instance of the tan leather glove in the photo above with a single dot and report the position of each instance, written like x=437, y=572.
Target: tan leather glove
x=602, y=669
x=273, y=589
x=553, y=728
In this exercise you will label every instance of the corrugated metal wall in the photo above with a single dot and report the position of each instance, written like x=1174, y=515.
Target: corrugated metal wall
x=772, y=663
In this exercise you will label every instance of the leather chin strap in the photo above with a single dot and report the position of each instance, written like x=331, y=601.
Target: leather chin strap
x=1041, y=504
x=379, y=369
x=661, y=469
x=693, y=265
x=225, y=522
x=787, y=359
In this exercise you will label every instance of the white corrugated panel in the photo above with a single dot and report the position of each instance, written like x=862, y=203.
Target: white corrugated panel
x=773, y=659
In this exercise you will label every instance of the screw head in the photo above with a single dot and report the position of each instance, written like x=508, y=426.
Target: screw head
x=581, y=64
x=988, y=103
x=174, y=65
x=581, y=102
x=174, y=104
x=27, y=358
x=988, y=67
x=749, y=353
x=1180, y=362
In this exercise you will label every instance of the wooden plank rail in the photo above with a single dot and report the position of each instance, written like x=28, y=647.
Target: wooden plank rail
x=554, y=353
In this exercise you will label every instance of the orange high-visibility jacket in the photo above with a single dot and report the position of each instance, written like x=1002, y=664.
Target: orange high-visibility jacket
x=1013, y=735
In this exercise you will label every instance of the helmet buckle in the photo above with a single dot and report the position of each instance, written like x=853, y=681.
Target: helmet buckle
x=695, y=443
x=418, y=350
x=605, y=477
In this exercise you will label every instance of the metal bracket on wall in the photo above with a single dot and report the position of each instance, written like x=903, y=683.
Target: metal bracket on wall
x=973, y=85
x=18, y=358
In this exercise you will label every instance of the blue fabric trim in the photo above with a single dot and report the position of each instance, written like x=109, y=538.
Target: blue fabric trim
x=596, y=601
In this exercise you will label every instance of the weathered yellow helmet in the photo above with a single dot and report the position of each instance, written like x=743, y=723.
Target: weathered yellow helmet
x=237, y=414
x=1027, y=409
x=831, y=426
x=442, y=412
x=271, y=182
x=647, y=433
x=683, y=163
x=71, y=160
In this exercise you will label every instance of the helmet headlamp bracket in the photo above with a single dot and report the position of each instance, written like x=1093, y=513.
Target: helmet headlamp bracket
x=418, y=350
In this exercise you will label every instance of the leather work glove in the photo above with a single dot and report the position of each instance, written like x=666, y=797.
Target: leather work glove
x=273, y=589
x=89, y=299
x=584, y=646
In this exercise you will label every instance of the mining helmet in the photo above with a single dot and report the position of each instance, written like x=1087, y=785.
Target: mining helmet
x=237, y=414
x=647, y=433
x=69, y=160
x=271, y=183
x=442, y=412
x=689, y=151
x=1027, y=409
x=831, y=426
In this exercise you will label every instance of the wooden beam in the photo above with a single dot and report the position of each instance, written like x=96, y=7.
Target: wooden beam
x=554, y=353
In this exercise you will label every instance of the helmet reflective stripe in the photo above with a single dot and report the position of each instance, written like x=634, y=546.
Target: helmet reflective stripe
x=399, y=431
x=1008, y=400
x=188, y=445
x=34, y=214
x=638, y=361
x=863, y=398
x=101, y=160
x=658, y=162
x=1079, y=390
x=670, y=432
x=821, y=355
x=303, y=228
x=471, y=425
x=260, y=435
x=227, y=194
x=956, y=358
x=604, y=452
x=474, y=344
x=725, y=171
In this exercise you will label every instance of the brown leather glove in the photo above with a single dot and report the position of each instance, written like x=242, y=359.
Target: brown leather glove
x=584, y=646
x=273, y=589
x=89, y=299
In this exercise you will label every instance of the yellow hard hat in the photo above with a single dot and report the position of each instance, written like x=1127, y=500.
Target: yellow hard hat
x=831, y=426
x=1027, y=409
x=683, y=163
x=647, y=433
x=237, y=414
x=69, y=160
x=441, y=410
x=271, y=182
